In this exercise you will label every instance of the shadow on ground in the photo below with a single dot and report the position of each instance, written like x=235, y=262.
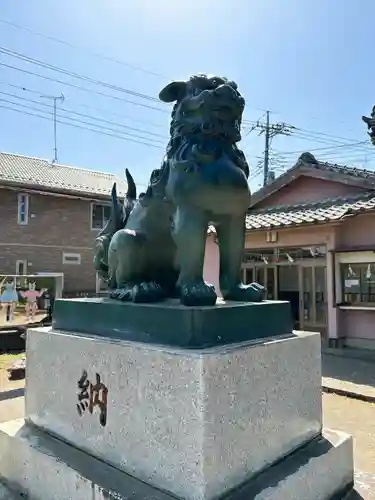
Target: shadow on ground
x=13, y=393
x=356, y=371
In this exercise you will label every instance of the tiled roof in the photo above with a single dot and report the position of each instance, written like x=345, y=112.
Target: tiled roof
x=308, y=165
x=40, y=174
x=333, y=209
x=313, y=163
x=360, y=173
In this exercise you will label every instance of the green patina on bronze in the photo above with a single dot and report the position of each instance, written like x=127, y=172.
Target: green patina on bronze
x=170, y=323
x=370, y=122
x=154, y=247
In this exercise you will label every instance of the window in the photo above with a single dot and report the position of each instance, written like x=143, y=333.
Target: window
x=100, y=215
x=21, y=267
x=71, y=258
x=23, y=209
x=358, y=283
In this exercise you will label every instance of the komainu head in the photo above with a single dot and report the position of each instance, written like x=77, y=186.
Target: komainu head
x=205, y=105
x=206, y=118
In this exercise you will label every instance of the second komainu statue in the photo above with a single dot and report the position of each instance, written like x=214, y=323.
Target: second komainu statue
x=370, y=122
x=154, y=247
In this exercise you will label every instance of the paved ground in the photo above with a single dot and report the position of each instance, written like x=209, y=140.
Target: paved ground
x=19, y=318
x=343, y=374
x=358, y=419
x=11, y=392
x=347, y=414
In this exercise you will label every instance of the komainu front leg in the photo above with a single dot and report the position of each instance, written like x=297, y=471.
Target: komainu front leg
x=190, y=232
x=231, y=237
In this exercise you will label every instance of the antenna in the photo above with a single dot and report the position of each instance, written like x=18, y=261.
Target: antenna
x=60, y=98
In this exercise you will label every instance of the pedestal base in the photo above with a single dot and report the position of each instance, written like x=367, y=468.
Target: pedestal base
x=224, y=413
x=40, y=467
x=169, y=323
x=113, y=418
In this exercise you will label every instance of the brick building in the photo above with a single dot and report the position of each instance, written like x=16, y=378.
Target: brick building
x=50, y=215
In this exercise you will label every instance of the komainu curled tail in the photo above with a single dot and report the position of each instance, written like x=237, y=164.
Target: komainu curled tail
x=120, y=212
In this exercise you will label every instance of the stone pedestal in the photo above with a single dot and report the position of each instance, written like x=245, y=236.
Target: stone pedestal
x=232, y=421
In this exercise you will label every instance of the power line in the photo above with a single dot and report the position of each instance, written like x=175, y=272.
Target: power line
x=97, y=131
x=128, y=134
x=324, y=148
x=80, y=104
x=91, y=117
x=321, y=140
x=346, y=154
x=339, y=152
x=270, y=131
x=325, y=135
x=83, y=88
x=253, y=127
x=95, y=54
x=258, y=170
x=308, y=132
x=298, y=132
x=42, y=64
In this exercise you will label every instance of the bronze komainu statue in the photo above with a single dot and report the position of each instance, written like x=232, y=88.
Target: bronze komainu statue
x=370, y=122
x=154, y=247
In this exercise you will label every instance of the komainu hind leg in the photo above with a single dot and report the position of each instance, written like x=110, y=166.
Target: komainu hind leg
x=231, y=237
x=146, y=291
x=127, y=261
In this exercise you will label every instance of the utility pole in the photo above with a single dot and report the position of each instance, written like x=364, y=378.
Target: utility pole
x=271, y=130
x=266, y=149
x=60, y=98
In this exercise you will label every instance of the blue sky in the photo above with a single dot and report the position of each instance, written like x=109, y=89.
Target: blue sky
x=308, y=61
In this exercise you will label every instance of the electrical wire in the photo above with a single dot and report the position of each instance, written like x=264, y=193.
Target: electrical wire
x=100, y=127
x=320, y=140
x=78, y=126
x=300, y=133
x=42, y=64
x=78, y=87
x=323, y=148
x=79, y=104
x=76, y=47
x=87, y=116
x=324, y=134
x=306, y=133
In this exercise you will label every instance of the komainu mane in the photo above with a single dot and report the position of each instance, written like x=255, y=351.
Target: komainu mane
x=154, y=247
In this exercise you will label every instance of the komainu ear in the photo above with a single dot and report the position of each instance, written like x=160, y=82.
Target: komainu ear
x=174, y=91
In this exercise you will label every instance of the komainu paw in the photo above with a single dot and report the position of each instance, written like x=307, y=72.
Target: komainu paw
x=139, y=292
x=246, y=293
x=197, y=294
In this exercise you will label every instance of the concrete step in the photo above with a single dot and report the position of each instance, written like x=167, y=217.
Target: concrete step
x=41, y=467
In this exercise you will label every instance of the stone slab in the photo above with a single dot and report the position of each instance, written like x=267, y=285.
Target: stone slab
x=321, y=470
x=187, y=421
x=170, y=323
